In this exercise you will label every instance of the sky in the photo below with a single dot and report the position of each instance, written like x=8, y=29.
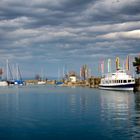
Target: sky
x=43, y=36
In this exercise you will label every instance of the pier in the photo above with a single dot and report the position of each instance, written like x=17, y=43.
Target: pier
x=92, y=82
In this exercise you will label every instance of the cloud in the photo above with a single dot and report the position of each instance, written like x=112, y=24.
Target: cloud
x=68, y=31
x=122, y=35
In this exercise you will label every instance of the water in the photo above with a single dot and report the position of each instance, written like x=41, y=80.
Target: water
x=50, y=113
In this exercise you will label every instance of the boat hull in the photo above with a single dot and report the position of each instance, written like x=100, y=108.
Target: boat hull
x=41, y=83
x=125, y=87
x=3, y=83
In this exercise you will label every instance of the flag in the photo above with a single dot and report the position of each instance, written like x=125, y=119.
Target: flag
x=80, y=72
x=102, y=67
x=117, y=63
x=127, y=63
x=109, y=65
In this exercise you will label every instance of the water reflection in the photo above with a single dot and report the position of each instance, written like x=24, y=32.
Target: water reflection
x=115, y=104
x=122, y=109
x=83, y=102
x=136, y=117
x=64, y=112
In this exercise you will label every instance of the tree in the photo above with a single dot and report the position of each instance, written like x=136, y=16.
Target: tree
x=1, y=71
x=72, y=73
x=136, y=64
x=37, y=77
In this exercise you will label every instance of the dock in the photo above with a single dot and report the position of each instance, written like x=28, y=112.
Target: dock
x=92, y=82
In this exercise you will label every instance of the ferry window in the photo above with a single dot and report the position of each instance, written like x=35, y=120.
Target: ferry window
x=125, y=81
x=129, y=81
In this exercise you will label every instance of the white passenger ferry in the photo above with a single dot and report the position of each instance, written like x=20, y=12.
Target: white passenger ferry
x=119, y=80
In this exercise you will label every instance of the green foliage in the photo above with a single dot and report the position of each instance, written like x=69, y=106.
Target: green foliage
x=136, y=64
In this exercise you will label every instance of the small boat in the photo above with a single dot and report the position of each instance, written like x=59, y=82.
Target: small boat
x=3, y=83
x=119, y=80
x=41, y=82
x=19, y=82
x=59, y=83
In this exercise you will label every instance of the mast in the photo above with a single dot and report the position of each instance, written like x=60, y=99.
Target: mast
x=58, y=74
x=7, y=72
x=17, y=73
x=19, y=77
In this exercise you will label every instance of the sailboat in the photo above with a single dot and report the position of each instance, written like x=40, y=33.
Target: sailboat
x=59, y=82
x=41, y=81
x=2, y=82
x=19, y=80
x=9, y=74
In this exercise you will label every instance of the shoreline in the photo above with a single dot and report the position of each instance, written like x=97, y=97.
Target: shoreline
x=92, y=82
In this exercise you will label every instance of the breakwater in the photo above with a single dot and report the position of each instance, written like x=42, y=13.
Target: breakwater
x=92, y=82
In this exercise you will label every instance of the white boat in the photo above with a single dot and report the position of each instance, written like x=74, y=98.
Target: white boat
x=41, y=82
x=119, y=80
x=3, y=83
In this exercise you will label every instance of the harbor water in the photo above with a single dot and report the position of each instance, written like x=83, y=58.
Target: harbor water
x=50, y=113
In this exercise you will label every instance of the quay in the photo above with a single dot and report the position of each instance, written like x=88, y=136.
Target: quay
x=92, y=82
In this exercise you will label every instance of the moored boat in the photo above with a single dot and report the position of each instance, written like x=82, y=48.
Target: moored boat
x=119, y=80
x=41, y=82
x=3, y=83
x=59, y=83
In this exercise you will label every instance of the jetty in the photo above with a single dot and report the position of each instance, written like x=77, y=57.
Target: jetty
x=92, y=82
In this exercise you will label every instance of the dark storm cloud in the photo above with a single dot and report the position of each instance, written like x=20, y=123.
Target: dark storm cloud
x=131, y=8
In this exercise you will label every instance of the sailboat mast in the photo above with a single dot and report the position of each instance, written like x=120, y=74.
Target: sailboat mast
x=7, y=72
x=19, y=77
x=17, y=72
x=58, y=74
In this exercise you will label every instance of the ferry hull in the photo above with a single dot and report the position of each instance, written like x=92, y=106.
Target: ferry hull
x=127, y=87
